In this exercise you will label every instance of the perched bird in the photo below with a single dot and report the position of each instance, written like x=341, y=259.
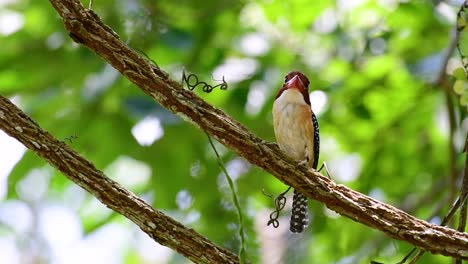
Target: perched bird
x=297, y=134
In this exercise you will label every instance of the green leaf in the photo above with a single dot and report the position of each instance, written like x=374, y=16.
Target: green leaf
x=459, y=87
x=464, y=99
x=459, y=73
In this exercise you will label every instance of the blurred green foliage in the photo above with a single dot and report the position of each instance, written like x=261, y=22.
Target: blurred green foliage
x=384, y=126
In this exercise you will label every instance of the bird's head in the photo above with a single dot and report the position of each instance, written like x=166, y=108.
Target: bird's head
x=296, y=80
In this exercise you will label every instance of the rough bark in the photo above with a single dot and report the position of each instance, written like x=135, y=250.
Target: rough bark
x=86, y=27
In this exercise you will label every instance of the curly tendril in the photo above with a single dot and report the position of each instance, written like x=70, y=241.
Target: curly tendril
x=280, y=202
x=192, y=82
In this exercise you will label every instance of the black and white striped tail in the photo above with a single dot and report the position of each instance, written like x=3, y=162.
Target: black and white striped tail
x=299, y=215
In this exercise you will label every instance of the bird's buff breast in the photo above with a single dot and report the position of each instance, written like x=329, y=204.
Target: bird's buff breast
x=293, y=124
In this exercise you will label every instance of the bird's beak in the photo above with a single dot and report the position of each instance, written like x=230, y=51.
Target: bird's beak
x=295, y=82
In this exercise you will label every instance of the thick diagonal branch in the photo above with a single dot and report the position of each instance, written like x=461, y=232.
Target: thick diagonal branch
x=157, y=225
x=86, y=27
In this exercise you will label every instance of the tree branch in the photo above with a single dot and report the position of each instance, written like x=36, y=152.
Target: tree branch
x=86, y=27
x=157, y=225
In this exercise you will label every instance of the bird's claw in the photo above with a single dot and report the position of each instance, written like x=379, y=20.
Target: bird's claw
x=303, y=162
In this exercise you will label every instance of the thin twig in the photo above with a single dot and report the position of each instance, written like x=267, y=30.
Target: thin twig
x=452, y=180
x=463, y=193
x=417, y=256
x=441, y=81
x=242, y=256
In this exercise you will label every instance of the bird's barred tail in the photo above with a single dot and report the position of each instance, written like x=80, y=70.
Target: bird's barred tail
x=299, y=215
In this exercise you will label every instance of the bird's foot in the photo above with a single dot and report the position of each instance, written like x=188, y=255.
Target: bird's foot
x=304, y=162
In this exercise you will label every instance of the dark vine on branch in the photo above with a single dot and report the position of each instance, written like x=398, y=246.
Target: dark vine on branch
x=461, y=25
x=193, y=82
x=146, y=56
x=280, y=202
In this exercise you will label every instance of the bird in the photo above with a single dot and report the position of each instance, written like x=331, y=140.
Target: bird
x=296, y=131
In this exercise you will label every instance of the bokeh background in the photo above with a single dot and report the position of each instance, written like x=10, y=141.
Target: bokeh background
x=386, y=130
